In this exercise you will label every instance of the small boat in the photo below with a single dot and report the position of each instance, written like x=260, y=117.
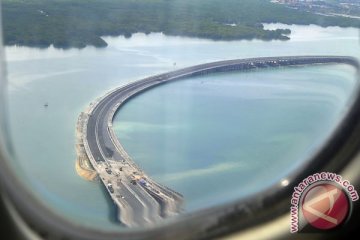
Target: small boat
x=46, y=105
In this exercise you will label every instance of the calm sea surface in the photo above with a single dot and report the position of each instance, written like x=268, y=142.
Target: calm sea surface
x=214, y=138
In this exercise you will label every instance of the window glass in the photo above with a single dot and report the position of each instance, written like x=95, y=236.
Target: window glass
x=201, y=140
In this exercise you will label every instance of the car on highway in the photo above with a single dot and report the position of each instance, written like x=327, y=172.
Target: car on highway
x=110, y=187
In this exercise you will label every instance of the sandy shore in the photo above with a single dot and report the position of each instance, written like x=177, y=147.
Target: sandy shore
x=82, y=164
x=87, y=174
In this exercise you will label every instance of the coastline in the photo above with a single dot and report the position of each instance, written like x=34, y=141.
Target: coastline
x=83, y=166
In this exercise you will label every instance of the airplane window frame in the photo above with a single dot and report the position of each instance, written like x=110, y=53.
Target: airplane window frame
x=338, y=151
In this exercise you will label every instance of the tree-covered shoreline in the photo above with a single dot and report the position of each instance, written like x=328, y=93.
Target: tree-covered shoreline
x=79, y=23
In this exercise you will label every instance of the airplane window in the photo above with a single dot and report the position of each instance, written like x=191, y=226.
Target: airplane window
x=149, y=116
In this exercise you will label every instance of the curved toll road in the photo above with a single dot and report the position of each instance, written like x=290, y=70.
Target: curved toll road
x=140, y=200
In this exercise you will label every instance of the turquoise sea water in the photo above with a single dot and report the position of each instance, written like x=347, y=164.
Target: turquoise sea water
x=247, y=129
x=221, y=137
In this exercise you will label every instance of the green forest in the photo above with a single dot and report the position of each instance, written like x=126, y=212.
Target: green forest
x=78, y=23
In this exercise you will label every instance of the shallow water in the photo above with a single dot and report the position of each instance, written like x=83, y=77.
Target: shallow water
x=217, y=138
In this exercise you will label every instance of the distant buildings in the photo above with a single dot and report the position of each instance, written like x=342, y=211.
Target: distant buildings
x=344, y=8
x=295, y=1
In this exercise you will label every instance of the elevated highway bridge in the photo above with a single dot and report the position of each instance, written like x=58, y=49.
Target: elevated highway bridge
x=140, y=200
